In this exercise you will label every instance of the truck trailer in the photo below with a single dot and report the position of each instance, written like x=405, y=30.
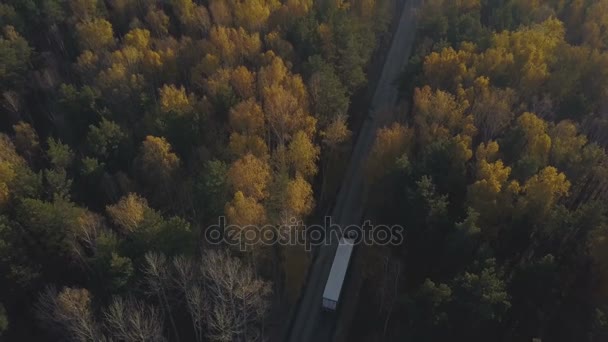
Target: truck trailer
x=337, y=274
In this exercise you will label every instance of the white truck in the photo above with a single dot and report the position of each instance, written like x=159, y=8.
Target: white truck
x=337, y=274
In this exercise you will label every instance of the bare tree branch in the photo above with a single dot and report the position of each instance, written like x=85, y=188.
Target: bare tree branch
x=70, y=311
x=158, y=279
x=133, y=321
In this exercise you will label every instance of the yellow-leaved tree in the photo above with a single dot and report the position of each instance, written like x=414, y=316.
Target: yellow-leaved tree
x=250, y=175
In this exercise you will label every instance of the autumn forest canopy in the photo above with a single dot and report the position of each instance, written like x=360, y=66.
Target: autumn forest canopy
x=127, y=127
x=499, y=172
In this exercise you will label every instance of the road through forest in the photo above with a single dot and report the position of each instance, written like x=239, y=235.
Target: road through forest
x=311, y=323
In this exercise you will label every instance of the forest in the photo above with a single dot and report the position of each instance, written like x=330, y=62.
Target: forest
x=498, y=170
x=127, y=127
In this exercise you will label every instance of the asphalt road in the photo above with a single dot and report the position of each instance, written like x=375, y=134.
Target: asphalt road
x=311, y=323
